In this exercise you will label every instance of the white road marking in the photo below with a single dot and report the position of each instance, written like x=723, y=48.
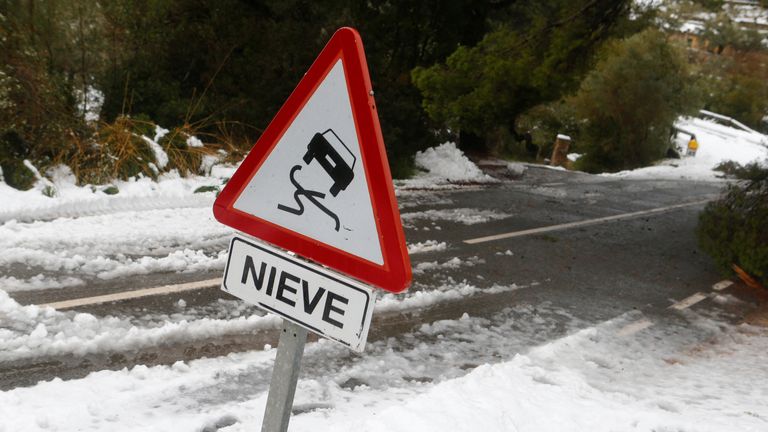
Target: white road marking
x=689, y=301
x=722, y=285
x=584, y=222
x=634, y=327
x=126, y=295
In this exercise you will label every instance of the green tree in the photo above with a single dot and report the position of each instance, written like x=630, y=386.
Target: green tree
x=732, y=229
x=737, y=86
x=538, y=53
x=402, y=35
x=38, y=109
x=209, y=62
x=630, y=101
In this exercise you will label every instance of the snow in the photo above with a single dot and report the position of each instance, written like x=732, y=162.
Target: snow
x=419, y=300
x=89, y=103
x=448, y=162
x=107, y=246
x=589, y=379
x=466, y=216
x=573, y=157
x=453, y=263
x=442, y=166
x=717, y=144
x=169, y=191
x=516, y=169
x=194, y=141
x=161, y=157
x=40, y=331
x=38, y=282
x=426, y=246
x=465, y=373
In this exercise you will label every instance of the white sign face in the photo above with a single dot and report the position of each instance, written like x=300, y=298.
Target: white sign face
x=328, y=304
x=313, y=182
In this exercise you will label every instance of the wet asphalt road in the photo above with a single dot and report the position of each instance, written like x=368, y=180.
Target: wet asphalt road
x=594, y=273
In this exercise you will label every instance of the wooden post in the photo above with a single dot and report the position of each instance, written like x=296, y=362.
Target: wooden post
x=560, y=152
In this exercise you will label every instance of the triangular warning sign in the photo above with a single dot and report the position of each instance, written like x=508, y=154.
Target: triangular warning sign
x=317, y=182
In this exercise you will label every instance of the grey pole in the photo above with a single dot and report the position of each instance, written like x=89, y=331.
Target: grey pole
x=285, y=375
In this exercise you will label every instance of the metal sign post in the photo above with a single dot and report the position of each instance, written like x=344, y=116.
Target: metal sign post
x=316, y=184
x=285, y=375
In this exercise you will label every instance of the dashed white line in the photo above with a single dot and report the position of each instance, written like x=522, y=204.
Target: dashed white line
x=722, y=285
x=127, y=295
x=689, y=301
x=634, y=327
x=584, y=222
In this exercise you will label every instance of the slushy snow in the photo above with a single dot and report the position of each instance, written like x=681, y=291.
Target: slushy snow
x=588, y=380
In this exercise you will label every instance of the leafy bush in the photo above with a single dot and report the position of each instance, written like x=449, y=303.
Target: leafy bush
x=737, y=86
x=204, y=189
x=111, y=190
x=753, y=171
x=13, y=151
x=732, y=229
x=630, y=102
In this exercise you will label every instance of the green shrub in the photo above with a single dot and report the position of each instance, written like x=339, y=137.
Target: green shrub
x=536, y=60
x=111, y=190
x=732, y=229
x=752, y=171
x=630, y=102
x=17, y=175
x=49, y=191
x=204, y=189
x=13, y=151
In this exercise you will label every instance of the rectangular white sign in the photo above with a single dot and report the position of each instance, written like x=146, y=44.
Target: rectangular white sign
x=324, y=302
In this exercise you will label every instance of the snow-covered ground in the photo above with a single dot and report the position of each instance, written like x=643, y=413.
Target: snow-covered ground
x=450, y=375
x=591, y=379
x=717, y=144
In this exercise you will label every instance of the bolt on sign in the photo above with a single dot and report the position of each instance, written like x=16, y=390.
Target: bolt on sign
x=317, y=184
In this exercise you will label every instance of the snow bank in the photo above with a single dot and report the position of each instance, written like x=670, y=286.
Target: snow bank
x=717, y=143
x=169, y=191
x=536, y=392
x=112, y=245
x=444, y=165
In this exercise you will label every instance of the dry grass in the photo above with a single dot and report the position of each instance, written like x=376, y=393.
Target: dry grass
x=181, y=156
x=115, y=151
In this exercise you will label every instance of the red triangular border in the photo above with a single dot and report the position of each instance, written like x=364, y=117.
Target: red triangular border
x=395, y=274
